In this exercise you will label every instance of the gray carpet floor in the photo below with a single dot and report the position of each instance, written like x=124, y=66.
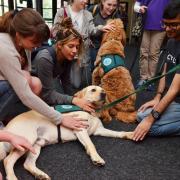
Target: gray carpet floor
x=152, y=159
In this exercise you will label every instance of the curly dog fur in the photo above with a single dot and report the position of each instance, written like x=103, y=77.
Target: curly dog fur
x=117, y=82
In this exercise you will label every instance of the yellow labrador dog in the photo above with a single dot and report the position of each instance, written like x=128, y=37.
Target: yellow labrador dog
x=40, y=131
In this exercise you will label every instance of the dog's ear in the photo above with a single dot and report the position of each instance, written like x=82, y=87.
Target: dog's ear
x=80, y=94
x=98, y=59
x=101, y=72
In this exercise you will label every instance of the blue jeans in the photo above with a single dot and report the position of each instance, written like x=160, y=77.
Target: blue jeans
x=10, y=104
x=93, y=54
x=168, y=124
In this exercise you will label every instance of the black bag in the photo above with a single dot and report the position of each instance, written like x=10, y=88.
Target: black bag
x=138, y=27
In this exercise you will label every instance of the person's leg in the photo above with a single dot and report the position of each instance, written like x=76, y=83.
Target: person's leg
x=10, y=105
x=144, y=55
x=34, y=83
x=168, y=124
x=157, y=38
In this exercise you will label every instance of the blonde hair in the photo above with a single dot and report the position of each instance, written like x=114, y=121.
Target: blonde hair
x=66, y=32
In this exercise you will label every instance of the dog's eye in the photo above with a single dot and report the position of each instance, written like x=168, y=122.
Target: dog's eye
x=93, y=90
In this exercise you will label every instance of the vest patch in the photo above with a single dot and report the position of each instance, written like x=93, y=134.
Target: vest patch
x=109, y=62
x=67, y=108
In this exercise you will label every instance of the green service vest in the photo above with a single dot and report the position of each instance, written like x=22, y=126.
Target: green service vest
x=109, y=62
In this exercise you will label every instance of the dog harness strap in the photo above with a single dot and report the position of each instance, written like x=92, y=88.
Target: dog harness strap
x=67, y=108
x=59, y=133
x=110, y=62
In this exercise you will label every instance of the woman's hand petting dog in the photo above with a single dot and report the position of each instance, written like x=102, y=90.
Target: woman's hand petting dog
x=109, y=27
x=74, y=123
x=84, y=104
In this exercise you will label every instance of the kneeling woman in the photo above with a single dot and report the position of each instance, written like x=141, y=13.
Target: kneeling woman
x=55, y=63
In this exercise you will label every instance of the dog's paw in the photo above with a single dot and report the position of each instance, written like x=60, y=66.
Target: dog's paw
x=43, y=177
x=126, y=135
x=98, y=161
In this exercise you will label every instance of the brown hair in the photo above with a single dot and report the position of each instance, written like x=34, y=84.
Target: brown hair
x=66, y=32
x=26, y=22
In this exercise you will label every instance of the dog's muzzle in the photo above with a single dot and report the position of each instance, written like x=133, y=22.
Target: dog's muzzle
x=103, y=96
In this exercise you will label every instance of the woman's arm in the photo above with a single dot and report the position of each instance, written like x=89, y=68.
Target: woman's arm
x=93, y=30
x=45, y=68
x=97, y=30
x=18, y=142
x=138, y=8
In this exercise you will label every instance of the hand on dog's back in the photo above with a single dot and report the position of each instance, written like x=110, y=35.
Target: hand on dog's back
x=74, y=123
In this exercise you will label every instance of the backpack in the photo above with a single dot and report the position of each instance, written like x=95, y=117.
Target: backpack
x=45, y=45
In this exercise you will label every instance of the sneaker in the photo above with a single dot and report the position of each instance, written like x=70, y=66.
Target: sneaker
x=140, y=83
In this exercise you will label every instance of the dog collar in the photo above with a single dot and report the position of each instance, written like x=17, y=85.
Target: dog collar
x=109, y=62
x=67, y=108
x=59, y=133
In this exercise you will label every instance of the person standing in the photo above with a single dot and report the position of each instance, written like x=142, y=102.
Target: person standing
x=161, y=116
x=153, y=36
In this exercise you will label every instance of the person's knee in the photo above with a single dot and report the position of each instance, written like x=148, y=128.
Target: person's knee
x=36, y=85
x=140, y=116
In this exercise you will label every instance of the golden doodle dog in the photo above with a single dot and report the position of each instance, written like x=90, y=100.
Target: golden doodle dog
x=42, y=132
x=111, y=74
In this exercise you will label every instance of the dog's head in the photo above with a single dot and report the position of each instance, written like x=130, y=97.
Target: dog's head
x=94, y=94
x=118, y=34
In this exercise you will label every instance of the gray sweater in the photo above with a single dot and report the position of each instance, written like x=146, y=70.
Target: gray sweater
x=10, y=70
x=47, y=70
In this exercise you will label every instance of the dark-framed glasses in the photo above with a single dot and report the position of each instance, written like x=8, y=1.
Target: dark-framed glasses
x=172, y=25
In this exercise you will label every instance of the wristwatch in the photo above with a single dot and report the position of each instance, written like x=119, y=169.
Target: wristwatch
x=155, y=114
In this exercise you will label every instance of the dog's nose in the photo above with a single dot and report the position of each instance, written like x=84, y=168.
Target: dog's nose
x=103, y=95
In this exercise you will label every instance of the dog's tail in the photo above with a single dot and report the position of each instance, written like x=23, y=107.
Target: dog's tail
x=4, y=149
